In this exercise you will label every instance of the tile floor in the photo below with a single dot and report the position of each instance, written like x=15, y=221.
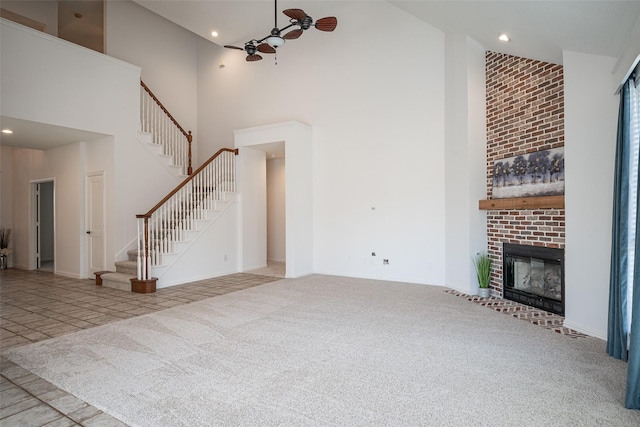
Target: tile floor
x=38, y=305
x=534, y=315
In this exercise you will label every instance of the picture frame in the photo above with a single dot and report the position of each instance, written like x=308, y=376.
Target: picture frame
x=540, y=173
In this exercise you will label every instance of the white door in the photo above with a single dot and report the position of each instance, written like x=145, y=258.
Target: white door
x=95, y=222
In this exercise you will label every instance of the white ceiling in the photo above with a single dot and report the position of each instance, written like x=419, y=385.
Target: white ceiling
x=538, y=29
x=41, y=136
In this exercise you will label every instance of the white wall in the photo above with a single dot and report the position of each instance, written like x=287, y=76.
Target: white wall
x=378, y=134
x=252, y=185
x=465, y=160
x=45, y=12
x=214, y=253
x=166, y=53
x=6, y=186
x=28, y=163
x=42, y=87
x=66, y=166
x=276, y=217
x=591, y=111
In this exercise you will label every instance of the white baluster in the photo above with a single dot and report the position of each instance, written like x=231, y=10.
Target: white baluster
x=138, y=261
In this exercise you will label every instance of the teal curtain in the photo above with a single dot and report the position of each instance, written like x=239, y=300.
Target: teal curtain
x=617, y=330
x=632, y=400
x=621, y=331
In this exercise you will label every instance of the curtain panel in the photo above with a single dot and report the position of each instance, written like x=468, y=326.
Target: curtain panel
x=623, y=334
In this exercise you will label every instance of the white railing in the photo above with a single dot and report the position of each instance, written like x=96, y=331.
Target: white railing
x=166, y=131
x=168, y=222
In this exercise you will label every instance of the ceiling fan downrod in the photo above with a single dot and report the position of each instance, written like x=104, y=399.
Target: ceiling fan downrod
x=274, y=40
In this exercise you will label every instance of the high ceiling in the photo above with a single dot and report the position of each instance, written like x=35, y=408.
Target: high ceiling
x=538, y=29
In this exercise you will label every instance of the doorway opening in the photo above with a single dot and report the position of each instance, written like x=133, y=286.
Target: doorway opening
x=294, y=139
x=276, y=215
x=43, y=225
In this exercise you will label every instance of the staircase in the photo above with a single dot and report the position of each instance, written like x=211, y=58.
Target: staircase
x=121, y=279
x=168, y=241
x=166, y=232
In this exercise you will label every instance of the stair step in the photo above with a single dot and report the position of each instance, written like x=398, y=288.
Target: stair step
x=133, y=255
x=117, y=281
x=127, y=267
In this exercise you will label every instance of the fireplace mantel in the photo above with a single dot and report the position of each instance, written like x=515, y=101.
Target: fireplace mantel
x=542, y=202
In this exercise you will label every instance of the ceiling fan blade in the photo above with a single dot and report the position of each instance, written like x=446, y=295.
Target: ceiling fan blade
x=265, y=48
x=293, y=34
x=254, y=57
x=297, y=14
x=233, y=47
x=327, y=24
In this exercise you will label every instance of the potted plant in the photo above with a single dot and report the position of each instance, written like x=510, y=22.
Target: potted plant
x=483, y=264
x=5, y=251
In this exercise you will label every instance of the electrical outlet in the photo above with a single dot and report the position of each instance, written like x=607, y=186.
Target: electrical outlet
x=385, y=262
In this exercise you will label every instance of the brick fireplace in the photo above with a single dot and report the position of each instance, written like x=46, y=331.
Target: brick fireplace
x=525, y=113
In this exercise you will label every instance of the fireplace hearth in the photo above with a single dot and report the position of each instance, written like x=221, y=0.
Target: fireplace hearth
x=534, y=275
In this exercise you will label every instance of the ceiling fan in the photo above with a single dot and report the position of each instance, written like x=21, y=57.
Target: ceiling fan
x=297, y=18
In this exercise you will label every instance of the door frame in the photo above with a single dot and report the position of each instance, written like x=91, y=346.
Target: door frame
x=297, y=138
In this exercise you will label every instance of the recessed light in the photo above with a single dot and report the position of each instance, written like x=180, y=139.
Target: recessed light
x=214, y=34
x=7, y=131
x=504, y=37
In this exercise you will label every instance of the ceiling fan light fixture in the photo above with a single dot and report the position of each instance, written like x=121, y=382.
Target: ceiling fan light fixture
x=275, y=41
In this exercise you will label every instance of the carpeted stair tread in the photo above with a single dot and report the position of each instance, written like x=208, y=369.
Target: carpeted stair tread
x=133, y=254
x=117, y=277
x=117, y=281
x=127, y=267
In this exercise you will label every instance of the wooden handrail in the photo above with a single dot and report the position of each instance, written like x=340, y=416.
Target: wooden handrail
x=175, y=122
x=183, y=183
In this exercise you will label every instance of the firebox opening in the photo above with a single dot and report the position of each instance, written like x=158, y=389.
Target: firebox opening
x=534, y=275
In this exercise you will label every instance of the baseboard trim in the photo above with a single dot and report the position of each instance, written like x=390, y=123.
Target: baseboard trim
x=585, y=329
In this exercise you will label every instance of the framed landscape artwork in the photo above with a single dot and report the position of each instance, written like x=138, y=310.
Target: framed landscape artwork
x=540, y=173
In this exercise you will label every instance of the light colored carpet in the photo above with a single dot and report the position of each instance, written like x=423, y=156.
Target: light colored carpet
x=325, y=350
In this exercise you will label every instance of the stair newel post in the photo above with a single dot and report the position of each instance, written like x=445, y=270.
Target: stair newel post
x=143, y=247
x=189, y=139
